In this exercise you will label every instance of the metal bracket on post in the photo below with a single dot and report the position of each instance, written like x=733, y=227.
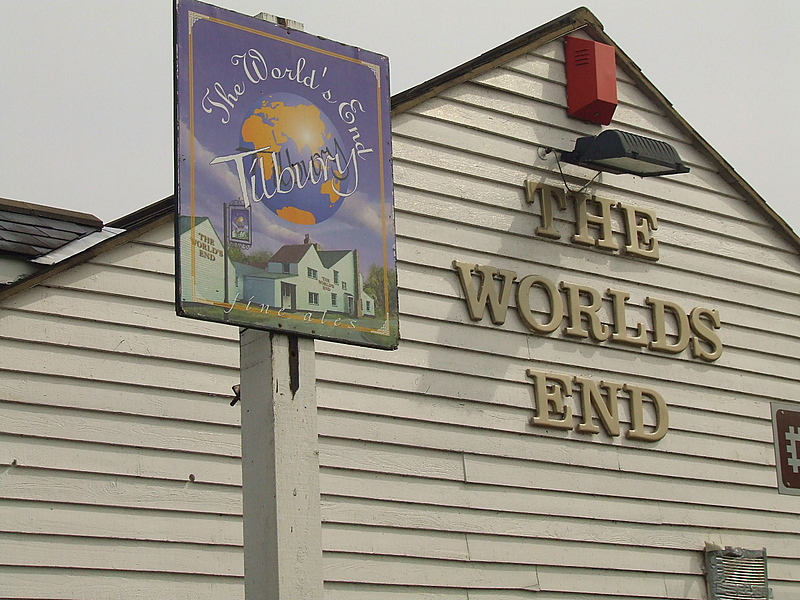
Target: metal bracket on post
x=280, y=468
x=285, y=23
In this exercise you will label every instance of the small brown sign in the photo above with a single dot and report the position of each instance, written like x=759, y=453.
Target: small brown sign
x=786, y=433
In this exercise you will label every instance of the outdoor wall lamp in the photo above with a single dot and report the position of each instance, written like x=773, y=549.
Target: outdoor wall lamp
x=619, y=152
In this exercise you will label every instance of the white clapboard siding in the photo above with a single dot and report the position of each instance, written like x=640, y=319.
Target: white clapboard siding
x=345, y=486
x=61, y=519
x=120, y=455
x=533, y=526
x=454, y=185
x=119, y=451
x=434, y=482
x=45, y=583
x=489, y=250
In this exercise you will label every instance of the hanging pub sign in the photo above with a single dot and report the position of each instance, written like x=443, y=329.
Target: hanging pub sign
x=239, y=225
x=283, y=176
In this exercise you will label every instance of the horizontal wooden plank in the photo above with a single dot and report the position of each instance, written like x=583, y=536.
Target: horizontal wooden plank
x=25, y=357
x=783, y=569
x=149, y=313
x=386, y=541
x=419, y=572
x=534, y=90
x=546, y=505
x=495, y=431
x=563, y=526
x=397, y=419
x=704, y=412
x=482, y=548
x=121, y=459
x=42, y=485
x=335, y=590
x=123, y=431
x=48, y=583
x=428, y=141
x=508, y=120
x=421, y=257
x=533, y=475
x=442, y=350
x=110, y=396
x=127, y=523
x=132, y=283
x=418, y=300
x=577, y=555
x=27, y=550
x=741, y=361
x=415, y=182
x=162, y=236
x=370, y=370
x=141, y=256
x=610, y=582
x=440, y=144
x=668, y=273
x=115, y=339
x=369, y=457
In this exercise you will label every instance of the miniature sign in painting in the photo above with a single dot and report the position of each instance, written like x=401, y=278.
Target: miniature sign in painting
x=284, y=184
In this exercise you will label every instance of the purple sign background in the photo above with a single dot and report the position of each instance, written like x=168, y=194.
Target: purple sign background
x=295, y=128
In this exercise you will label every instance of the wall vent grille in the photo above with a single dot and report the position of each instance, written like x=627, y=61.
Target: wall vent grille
x=737, y=574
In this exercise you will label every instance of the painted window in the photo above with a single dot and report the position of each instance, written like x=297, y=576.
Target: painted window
x=335, y=276
x=369, y=305
x=344, y=285
x=334, y=299
x=312, y=273
x=313, y=298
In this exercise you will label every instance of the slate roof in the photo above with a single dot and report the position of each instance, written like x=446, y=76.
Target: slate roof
x=32, y=230
x=331, y=257
x=291, y=253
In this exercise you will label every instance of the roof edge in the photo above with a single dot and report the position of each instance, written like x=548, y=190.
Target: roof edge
x=726, y=170
x=583, y=18
x=135, y=224
x=48, y=212
x=143, y=216
x=573, y=20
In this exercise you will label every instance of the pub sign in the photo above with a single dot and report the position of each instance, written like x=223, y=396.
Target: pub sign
x=283, y=180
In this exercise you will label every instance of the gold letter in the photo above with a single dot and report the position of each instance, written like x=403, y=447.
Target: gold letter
x=620, y=334
x=546, y=194
x=487, y=291
x=705, y=332
x=524, y=304
x=602, y=221
x=606, y=410
x=659, y=342
x=575, y=309
x=551, y=394
x=637, y=431
x=641, y=242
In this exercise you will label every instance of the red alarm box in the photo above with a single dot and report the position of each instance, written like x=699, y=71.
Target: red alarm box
x=591, y=80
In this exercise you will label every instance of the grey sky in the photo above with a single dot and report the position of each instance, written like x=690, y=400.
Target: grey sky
x=86, y=93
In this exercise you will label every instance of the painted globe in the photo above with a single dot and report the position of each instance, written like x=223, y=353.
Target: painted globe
x=302, y=173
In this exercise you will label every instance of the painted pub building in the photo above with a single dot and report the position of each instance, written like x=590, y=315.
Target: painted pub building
x=596, y=394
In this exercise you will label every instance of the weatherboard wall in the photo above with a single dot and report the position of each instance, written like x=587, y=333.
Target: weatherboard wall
x=120, y=461
x=434, y=483
x=120, y=456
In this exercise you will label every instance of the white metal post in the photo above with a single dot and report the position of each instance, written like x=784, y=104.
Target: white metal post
x=280, y=468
